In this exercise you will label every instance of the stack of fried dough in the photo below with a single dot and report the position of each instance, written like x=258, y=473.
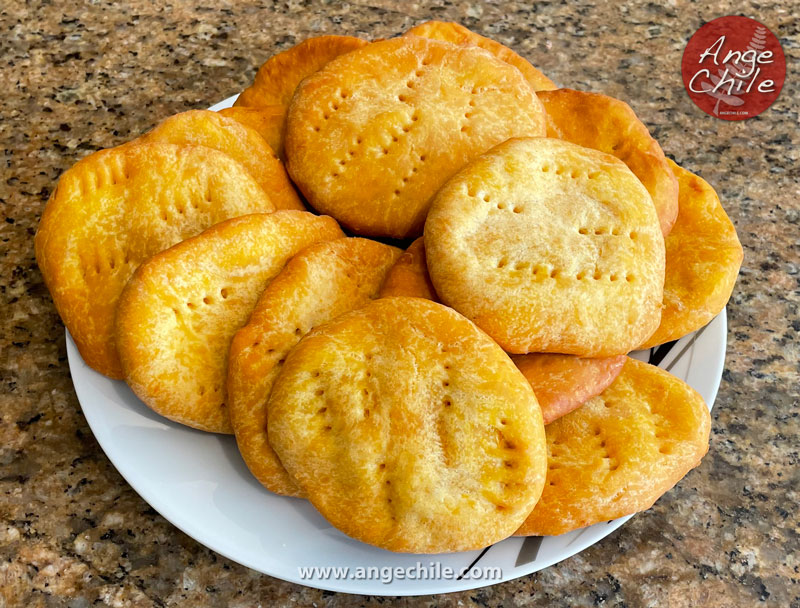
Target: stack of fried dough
x=243, y=271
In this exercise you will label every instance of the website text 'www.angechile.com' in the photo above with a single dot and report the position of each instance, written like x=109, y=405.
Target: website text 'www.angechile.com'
x=387, y=574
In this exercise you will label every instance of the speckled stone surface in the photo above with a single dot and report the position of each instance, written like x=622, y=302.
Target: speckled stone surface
x=78, y=77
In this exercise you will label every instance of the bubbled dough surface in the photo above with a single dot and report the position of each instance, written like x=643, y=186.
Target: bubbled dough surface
x=320, y=283
x=373, y=135
x=240, y=142
x=603, y=123
x=268, y=121
x=180, y=310
x=563, y=383
x=409, y=428
x=117, y=207
x=458, y=34
x=621, y=451
x=703, y=259
x=409, y=275
x=277, y=79
x=549, y=247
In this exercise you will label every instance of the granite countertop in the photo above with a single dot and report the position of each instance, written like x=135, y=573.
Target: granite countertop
x=84, y=76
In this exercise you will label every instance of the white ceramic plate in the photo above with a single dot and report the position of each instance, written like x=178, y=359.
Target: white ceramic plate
x=199, y=483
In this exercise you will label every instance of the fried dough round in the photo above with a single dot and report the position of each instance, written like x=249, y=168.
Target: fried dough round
x=621, y=451
x=178, y=313
x=372, y=136
x=563, y=383
x=409, y=429
x=703, y=259
x=277, y=79
x=243, y=144
x=601, y=122
x=409, y=275
x=458, y=34
x=549, y=247
x=117, y=207
x=321, y=282
x=268, y=121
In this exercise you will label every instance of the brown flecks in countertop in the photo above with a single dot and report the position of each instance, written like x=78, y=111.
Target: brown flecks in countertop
x=79, y=77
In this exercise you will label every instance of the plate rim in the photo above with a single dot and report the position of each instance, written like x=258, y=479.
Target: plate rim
x=194, y=529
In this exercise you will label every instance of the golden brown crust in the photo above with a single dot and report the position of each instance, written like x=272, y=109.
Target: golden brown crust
x=458, y=34
x=268, y=121
x=601, y=122
x=409, y=275
x=243, y=144
x=409, y=429
x=372, y=136
x=563, y=383
x=321, y=282
x=549, y=247
x=621, y=451
x=178, y=313
x=277, y=79
x=117, y=207
x=703, y=259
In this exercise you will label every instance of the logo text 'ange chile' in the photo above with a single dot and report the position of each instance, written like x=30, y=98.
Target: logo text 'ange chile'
x=733, y=68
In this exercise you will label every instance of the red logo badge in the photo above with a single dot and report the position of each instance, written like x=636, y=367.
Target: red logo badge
x=733, y=68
